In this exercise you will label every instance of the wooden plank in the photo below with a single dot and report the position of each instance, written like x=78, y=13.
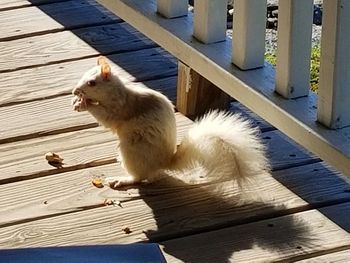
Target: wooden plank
x=93, y=147
x=283, y=153
x=73, y=213
x=73, y=192
x=55, y=17
x=255, y=89
x=80, y=149
x=12, y=4
x=239, y=108
x=209, y=20
x=281, y=239
x=172, y=8
x=248, y=36
x=68, y=46
x=339, y=257
x=334, y=91
x=49, y=116
x=294, y=48
x=59, y=79
x=314, y=183
x=196, y=95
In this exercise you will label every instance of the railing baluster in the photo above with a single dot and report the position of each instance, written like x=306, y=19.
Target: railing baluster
x=248, y=37
x=294, y=47
x=334, y=87
x=210, y=20
x=172, y=8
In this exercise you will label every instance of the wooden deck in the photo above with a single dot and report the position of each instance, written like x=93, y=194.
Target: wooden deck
x=301, y=212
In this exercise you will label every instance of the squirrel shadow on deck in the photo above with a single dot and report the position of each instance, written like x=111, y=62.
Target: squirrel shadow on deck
x=184, y=212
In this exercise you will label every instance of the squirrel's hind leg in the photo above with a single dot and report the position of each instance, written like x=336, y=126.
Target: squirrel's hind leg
x=116, y=182
x=121, y=181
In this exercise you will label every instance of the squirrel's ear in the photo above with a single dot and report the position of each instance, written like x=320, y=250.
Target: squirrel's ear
x=105, y=68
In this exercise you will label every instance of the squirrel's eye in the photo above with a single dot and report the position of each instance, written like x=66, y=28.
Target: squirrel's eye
x=91, y=83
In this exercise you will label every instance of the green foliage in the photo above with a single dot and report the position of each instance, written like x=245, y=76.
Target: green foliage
x=314, y=67
x=271, y=58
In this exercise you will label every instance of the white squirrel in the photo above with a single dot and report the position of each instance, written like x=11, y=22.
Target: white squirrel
x=144, y=121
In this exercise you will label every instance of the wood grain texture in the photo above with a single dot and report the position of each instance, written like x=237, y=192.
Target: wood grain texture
x=336, y=257
x=175, y=208
x=76, y=217
x=35, y=119
x=52, y=18
x=39, y=118
x=209, y=20
x=294, y=48
x=248, y=45
x=283, y=153
x=283, y=239
x=59, y=79
x=196, y=95
x=314, y=183
x=239, y=108
x=14, y=4
x=80, y=149
x=70, y=45
x=333, y=92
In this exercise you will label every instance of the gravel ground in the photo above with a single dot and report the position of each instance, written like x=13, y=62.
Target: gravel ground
x=271, y=38
x=271, y=34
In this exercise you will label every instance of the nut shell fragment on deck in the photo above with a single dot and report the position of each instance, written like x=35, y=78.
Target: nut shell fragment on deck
x=97, y=182
x=52, y=157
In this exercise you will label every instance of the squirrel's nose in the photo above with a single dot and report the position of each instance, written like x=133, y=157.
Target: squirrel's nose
x=76, y=91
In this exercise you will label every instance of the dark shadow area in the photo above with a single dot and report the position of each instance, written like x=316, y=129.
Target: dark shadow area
x=183, y=211
x=110, y=36
x=85, y=254
x=322, y=188
x=77, y=14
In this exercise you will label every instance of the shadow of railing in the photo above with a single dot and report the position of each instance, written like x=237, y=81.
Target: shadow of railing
x=110, y=36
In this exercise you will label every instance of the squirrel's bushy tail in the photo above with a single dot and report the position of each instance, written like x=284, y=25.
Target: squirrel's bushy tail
x=225, y=145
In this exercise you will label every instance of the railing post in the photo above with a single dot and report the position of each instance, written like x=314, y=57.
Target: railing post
x=248, y=36
x=334, y=86
x=210, y=20
x=294, y=48
x=172, y=8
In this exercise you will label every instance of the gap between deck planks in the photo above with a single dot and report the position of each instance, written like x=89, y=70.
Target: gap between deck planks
x=72, y=45
x=179, y=211
x=59, y=79
x=17, y=4
x=35, y=118
x=94, y=144
x=45, y=117
x=55, y=17
x=217, y=204
x=339, y=257
x=23, y=160
x=80, y=149
x=285, y=239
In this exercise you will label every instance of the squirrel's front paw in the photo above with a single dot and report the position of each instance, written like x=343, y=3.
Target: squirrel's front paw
x=79, y=104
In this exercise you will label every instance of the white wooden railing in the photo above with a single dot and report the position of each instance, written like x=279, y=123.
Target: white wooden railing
x=280, y=95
